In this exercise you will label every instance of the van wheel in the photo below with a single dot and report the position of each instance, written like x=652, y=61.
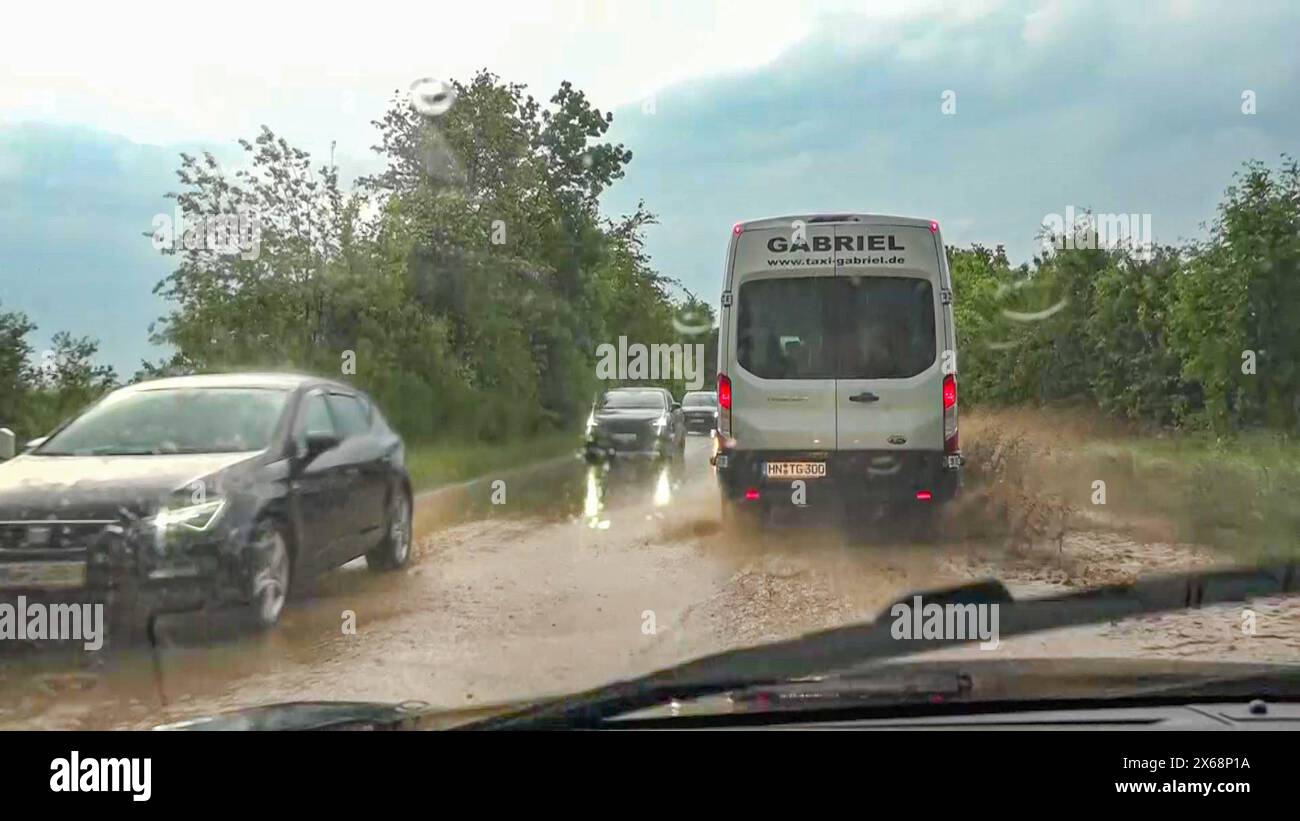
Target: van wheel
x=394, y=551
x=921, y=522
x=740, y=519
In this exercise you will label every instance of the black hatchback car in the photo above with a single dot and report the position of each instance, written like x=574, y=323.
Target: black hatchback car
x=203, y=491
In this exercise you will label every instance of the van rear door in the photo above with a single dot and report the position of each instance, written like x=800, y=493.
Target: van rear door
x=780, y=353
x=893, y=331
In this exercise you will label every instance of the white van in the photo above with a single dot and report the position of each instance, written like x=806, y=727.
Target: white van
x=837, y=364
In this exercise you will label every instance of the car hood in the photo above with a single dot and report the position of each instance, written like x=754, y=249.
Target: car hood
x=34, y=486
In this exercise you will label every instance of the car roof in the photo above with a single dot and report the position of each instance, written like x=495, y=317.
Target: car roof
x=833, y=217
x=282, y=381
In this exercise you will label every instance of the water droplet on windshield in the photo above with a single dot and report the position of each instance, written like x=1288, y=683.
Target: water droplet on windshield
x=432, y=97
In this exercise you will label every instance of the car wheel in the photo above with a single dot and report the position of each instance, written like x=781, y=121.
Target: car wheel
x=394, y=551
x=272, y=576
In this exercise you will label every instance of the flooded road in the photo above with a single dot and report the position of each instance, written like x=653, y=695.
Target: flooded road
x=565, y=576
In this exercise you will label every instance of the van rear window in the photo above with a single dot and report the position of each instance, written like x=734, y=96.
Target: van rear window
x=836, y=327
x=886, y=328
x=784, y=328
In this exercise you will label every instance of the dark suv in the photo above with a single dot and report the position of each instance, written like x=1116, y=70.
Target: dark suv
x=640, y=421
x=209, y=490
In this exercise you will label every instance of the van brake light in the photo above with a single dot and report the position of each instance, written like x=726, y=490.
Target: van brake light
x=950, y=444
x=724, y=405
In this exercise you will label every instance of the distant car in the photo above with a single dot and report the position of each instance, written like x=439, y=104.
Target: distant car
x=636, y=421
x=200, y=491
x=701, y=411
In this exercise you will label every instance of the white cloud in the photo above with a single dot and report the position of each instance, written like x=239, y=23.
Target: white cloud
x=166, y=72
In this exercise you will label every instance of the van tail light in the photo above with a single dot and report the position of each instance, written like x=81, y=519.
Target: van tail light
x=950, y=414
x=724, y=405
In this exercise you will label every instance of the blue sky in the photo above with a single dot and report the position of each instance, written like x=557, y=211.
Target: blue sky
x=742, y=111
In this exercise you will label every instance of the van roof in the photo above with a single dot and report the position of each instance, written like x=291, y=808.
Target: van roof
x=835, y=217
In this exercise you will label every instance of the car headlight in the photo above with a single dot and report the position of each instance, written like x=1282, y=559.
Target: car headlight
x=660, y=423
x=198, y=517
x=591, y=422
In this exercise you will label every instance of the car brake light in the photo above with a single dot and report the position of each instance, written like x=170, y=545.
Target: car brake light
x=752, y=494
x=924, y=495
x=934, y=227
x=950, y=414
x=738, y=228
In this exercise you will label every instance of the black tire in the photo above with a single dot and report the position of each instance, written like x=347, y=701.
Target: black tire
x=394, y=550
x=272, y=576
x=739, y=519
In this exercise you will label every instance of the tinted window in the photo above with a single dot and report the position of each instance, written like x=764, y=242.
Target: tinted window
x=783, y=328
x=633, y=399
x=173, y=420
x=350, y=415
x=836, y=327
x=314, y=418
x=696, y=400
x=887, y=327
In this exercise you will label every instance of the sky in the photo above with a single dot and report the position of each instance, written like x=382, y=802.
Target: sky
x=985, y=116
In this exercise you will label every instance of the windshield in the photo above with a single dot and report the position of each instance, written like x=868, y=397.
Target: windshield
x=622, y=400
x=201, y=420
x=476, y=353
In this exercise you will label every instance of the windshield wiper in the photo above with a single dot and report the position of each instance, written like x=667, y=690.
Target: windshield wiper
x=867, y=642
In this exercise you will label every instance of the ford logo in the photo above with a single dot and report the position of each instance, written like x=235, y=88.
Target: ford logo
x=897, y=440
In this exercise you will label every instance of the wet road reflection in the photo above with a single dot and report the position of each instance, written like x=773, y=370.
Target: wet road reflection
x=203, y=655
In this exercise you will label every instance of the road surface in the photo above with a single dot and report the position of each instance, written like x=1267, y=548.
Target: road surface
x=582, y=576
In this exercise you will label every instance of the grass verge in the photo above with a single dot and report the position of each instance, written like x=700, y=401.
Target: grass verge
x=1239, y=495
x=441, y=463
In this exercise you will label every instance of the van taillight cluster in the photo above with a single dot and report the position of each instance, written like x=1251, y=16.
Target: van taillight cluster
x=950, y=414
x=724, y=405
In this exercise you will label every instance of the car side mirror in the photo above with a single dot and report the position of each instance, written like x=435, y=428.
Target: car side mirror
x=318, y=443
x=677, y=406
x=6, y=443
x=36, y=443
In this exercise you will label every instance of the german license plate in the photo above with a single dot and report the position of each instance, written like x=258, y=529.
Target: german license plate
x=42, y=575
x=794, y=470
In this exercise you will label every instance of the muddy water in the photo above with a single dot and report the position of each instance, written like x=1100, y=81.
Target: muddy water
x=581, y=575
x=505, y=569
